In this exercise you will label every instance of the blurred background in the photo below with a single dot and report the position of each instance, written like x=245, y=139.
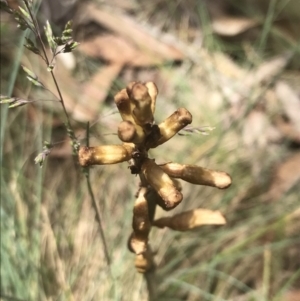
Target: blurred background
x=235, y=65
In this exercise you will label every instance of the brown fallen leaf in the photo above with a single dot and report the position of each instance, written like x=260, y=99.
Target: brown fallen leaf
x=254, y=129
x=290, y=102
x=191, y=219
x=287, y=129
x=129, y=30
x=246, y=81
x=226, y=25
x=117, y=50
x=292, y=295
x=227, y=66
x=267, y=70
x=286, y=176
x=95, y=91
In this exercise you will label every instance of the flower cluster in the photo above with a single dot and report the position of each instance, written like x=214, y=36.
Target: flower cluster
x=159, y=185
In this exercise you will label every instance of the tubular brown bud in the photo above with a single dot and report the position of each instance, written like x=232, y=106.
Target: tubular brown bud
x=154, y=198
x=129, y=132
x=105, y=154
x=172, y=125
x=124, y=105
x=139, y=94
x=162, y=183
x=141, y=224
x=191, y=219
x=197, y=175
x=129, y=88
x=142, y=112
x=144, y=262
x=153, y=91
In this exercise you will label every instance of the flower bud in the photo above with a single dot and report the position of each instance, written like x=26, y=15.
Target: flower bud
x=124, y=105
x=129, y=87
x=144, y=262
x=153, y=91
x=142, y=112
x=141, y=224
x=172, y=125
x=191, y=219
x=105, y=154
x=154, y=198
x=129, y=132
x=162, y=183
x=197, y=175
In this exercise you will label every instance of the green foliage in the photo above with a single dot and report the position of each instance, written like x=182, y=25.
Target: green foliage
x=50, y=37
x=14, y=101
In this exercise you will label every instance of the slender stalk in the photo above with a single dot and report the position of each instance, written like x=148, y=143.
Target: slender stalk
x=91, y=193
x=71, y=133
x=37, y=29
x=150, y=275
x=151, y=282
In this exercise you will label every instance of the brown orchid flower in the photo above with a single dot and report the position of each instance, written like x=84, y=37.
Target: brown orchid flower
x=159, y=185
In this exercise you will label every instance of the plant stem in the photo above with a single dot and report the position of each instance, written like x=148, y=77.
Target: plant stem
x=71, y=133
x=37, y=29
x=91, y=193
x=150, y=275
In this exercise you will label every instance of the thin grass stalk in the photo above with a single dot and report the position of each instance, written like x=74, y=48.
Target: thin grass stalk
x=267, y=257
x=71, y=133
x=14, y=73
x=94, y=203
x=294, y=277
x=267, y=25
x=38, y=32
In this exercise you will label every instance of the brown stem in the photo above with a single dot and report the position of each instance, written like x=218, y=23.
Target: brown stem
x=150, y=275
